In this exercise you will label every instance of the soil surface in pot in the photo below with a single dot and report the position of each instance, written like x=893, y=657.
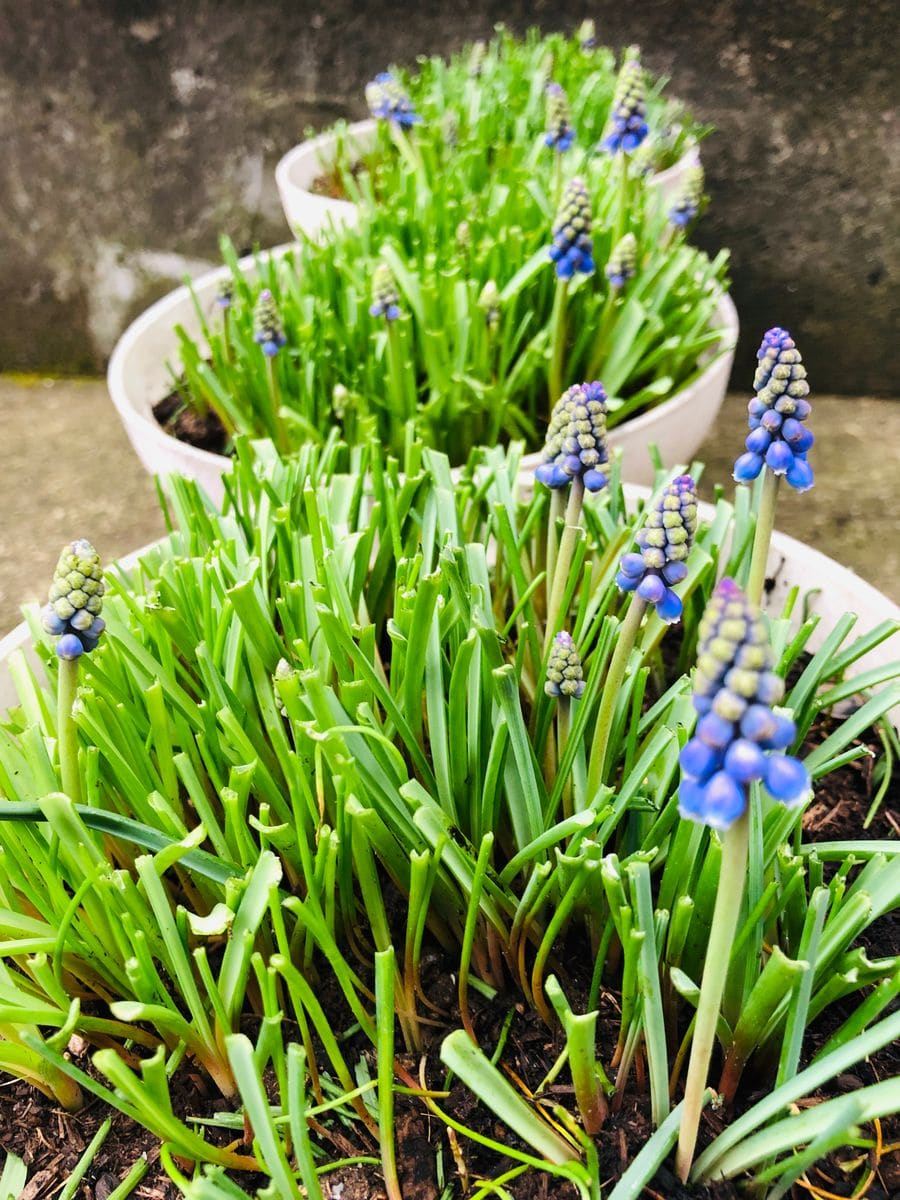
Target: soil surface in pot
x=51, y=1141
x=203, y=430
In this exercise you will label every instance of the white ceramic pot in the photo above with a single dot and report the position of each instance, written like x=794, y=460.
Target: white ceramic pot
x=830, y=591
x=308, y=213
x=139, y=376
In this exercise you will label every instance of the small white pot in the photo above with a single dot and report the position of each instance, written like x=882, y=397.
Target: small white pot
x=139, y=376
x=307, y=214
x=829, y=589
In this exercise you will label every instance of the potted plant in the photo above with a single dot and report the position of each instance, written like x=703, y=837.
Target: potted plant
x=482, y=112
x=379, y=781
x=481, y=330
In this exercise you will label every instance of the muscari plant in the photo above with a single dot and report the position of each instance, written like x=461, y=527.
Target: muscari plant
x=460, y=318
x=496, y=106
x=355, y=685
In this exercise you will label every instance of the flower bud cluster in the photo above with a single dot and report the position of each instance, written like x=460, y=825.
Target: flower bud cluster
x=489, y=302
x=665, y=542
x=576, y=439
x=564, y=672
x=389, y=102
x=628, y=121
x=572, y=248
x=735, y=689
x=268, y=329
x=385, y=297
x=560, y=134
x=587, y=34
x=622, y=261
x=75, y=600
x=778, y=438
x=689, y=198
x=476, y=58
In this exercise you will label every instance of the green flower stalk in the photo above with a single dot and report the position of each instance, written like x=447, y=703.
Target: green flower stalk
x=573, y=456
x=72, y=614
x=270, y=336
x=565, y=681
x=386, y=304
x=665, y=543
x=571, y=252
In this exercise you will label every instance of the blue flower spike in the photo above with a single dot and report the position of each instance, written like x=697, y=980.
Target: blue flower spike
x=586, y=34
x=389, y=102
x=622, y=262
x=572, y=249
x=559, y=135
x=565, y=677
x=225, y=297
x=778, y=437
x=385, y=297
x=690, y=197
x=740, y=733
x=489, y=303
x=268, y=329
x=72, y=613
x=627, y=126
x=575, y=447
x=665, y=543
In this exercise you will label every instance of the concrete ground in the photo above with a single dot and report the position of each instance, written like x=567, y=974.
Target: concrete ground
x=67, y=470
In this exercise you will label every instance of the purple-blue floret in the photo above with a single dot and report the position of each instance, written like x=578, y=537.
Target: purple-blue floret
x=572, y=249
x=268, y=330
x=627, y=126
x=690, y=197
x=72, y=612
x=560, y=134
x=739, y=735
x=778, y=438
x=385, y=297
x=665, y=542
x=389, y=102
x=575, y=447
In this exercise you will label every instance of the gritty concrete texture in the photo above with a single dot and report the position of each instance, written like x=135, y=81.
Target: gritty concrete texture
x=66, y=471
x=134, y=133
x=69, y=472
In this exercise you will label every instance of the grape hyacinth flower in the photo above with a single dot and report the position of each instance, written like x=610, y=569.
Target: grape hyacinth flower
x=565, y=676
x=476, y=58
x=489, y=303
x=572, y=249
x=225, y=296
x=75, y=601
x=627, y=124
x=389, y=102
x=665, y=542
x=689, y=198
x=385, y=297
x=560, y=134
x=622, y=262
x=575, y=447
x=735, y=689
x=268, y=329
x=587, y=34
x=778, y=439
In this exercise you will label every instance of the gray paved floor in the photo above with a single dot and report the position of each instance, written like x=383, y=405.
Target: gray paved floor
x=67, y=470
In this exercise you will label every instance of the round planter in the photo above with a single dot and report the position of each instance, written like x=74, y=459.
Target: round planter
x=307, y=213
x=829, y=589
x=138, y=377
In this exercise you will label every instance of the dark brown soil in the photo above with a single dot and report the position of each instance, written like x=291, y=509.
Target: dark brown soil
x=51, y=1141
x=203, y=430
x=331, y=183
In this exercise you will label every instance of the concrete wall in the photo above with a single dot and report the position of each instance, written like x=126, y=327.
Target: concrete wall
x=133, y=133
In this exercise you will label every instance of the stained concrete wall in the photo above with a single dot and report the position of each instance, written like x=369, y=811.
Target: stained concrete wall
x=133, y=133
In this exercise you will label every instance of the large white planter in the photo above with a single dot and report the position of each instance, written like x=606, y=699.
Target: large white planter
x=139, y=376
x=307, y=213
x=830, y=591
